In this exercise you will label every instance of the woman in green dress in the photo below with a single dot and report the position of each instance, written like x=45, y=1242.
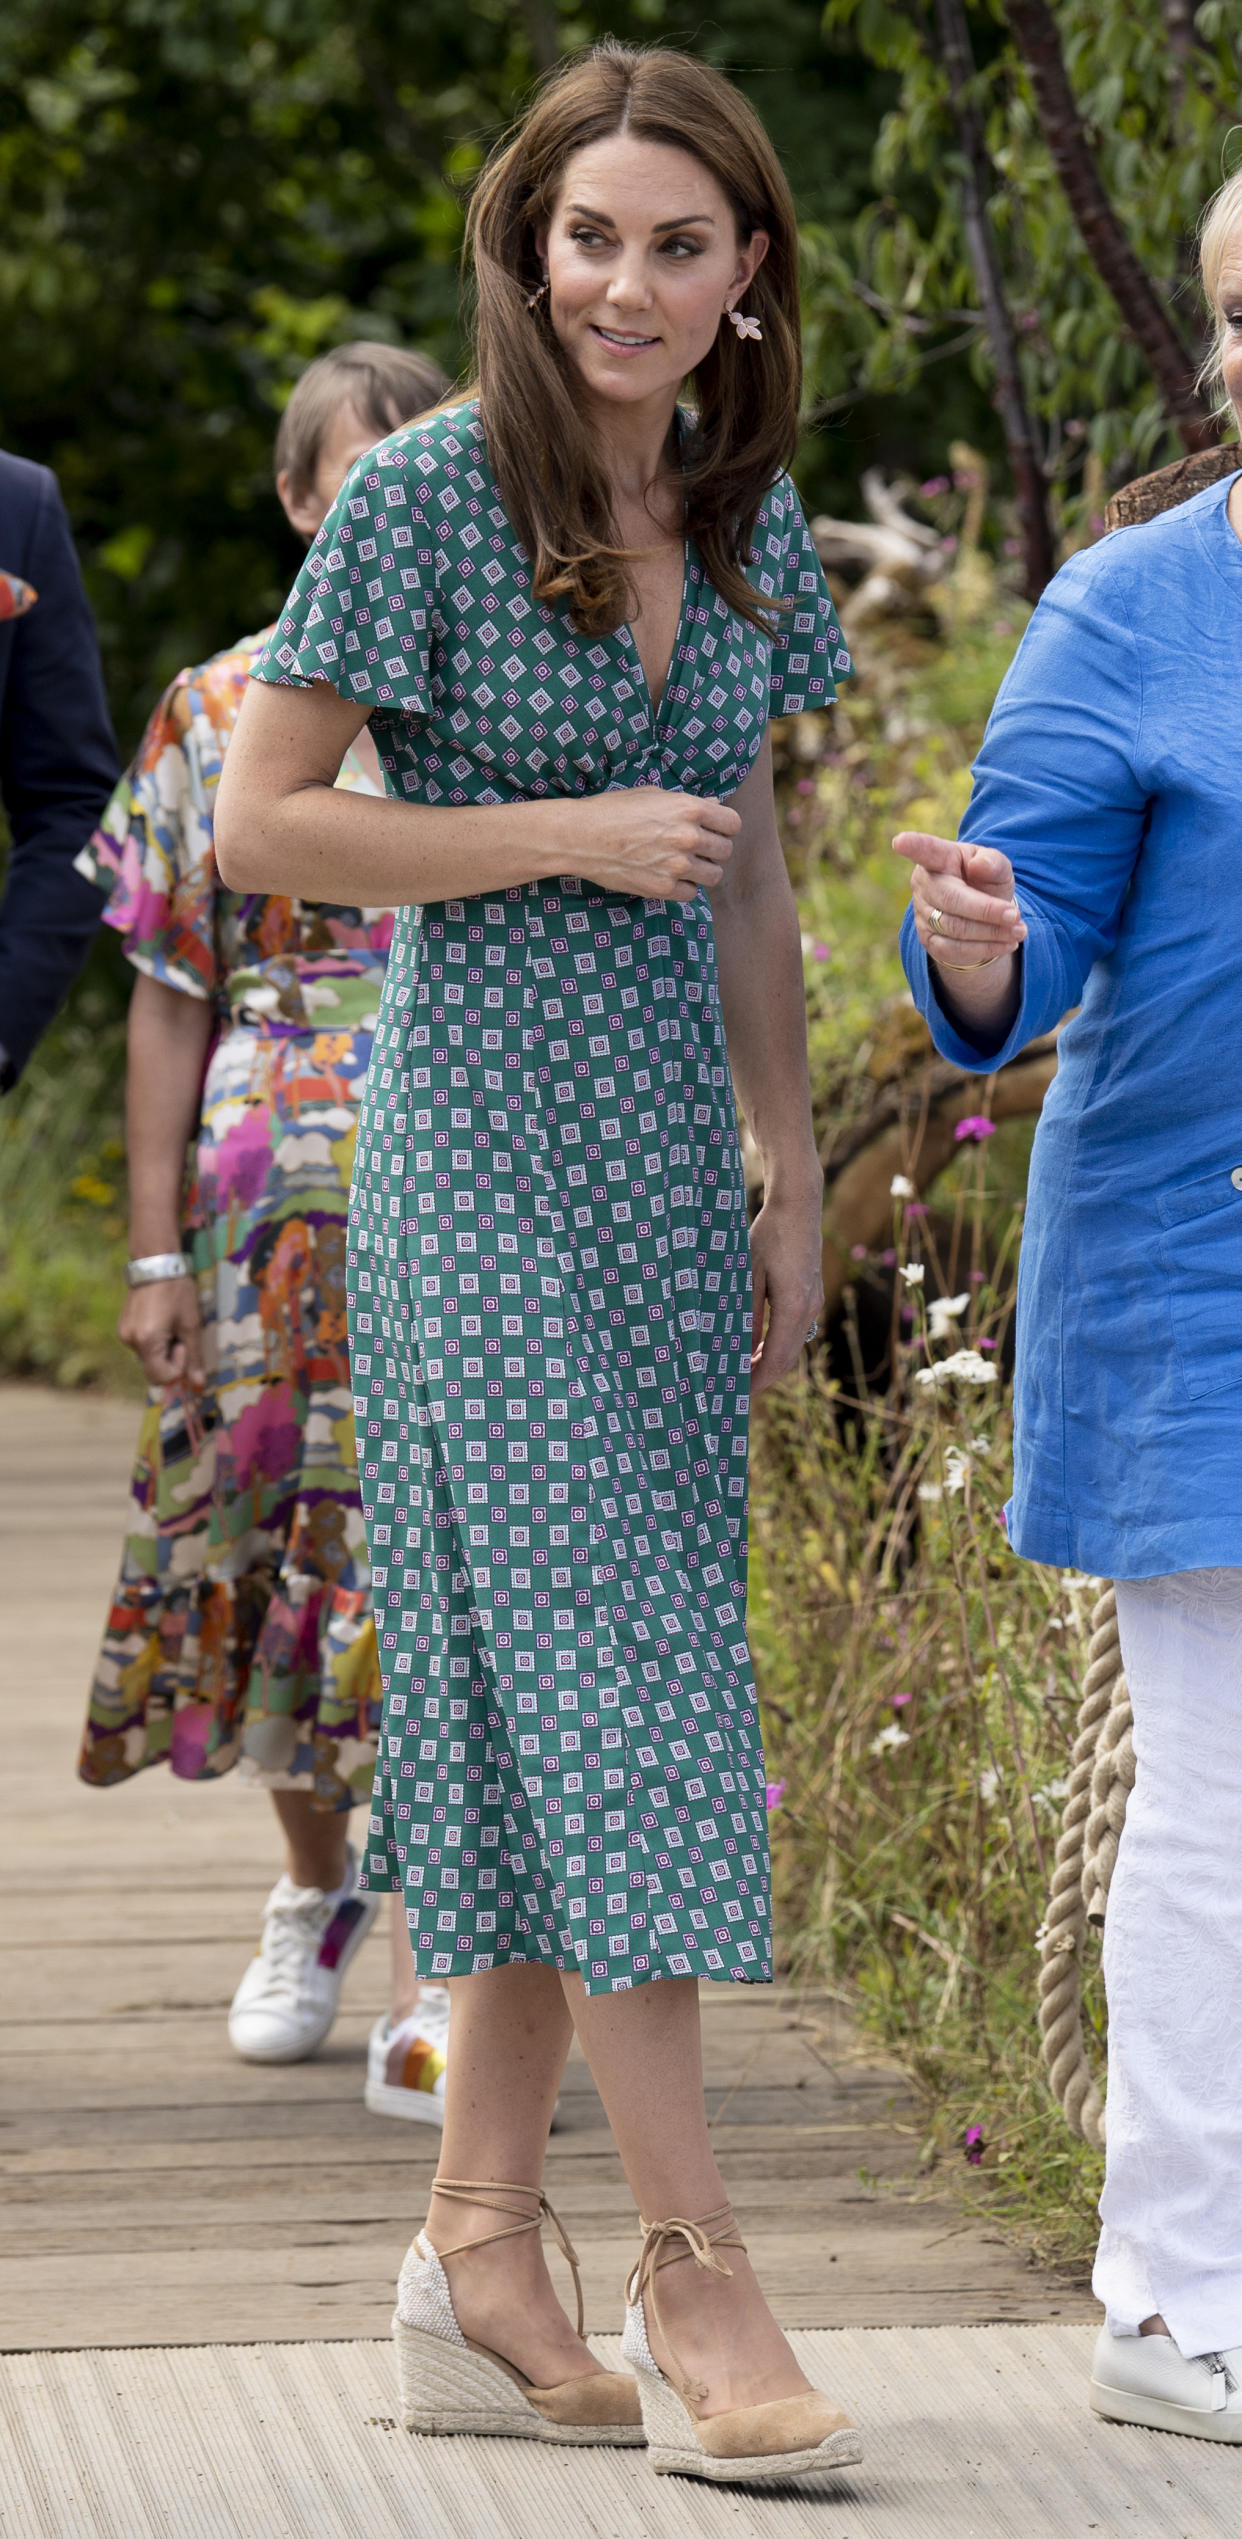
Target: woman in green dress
x=567, y=607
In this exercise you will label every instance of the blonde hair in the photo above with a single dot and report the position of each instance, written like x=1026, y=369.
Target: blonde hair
x=1219, y=225
x=381, y=383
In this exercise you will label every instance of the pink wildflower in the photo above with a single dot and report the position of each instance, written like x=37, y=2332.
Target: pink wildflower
x=900, y=1700
x=985, y=1344
x=776, y=1792
x=976, y=1128
x=974, y=2144
x=935, y=485
x=858, y=1251
x=806, y=784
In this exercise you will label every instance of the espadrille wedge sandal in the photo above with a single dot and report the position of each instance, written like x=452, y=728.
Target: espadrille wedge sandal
x=450, y=2384
x=782, y=2438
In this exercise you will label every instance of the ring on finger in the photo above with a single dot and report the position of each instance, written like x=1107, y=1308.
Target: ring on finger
x=937, y=918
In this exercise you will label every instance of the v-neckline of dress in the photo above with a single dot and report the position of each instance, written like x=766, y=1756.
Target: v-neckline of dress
x=655, y=713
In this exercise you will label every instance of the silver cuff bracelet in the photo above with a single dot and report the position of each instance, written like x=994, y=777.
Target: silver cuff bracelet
x=155, y=1266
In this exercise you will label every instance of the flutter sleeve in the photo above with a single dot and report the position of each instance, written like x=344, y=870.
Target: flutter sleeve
x=1057, y=786
x=153, y=858
x=809, y=653
x=359, y=614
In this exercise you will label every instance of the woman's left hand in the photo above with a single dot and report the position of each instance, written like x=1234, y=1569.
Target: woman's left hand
x=786, y=1253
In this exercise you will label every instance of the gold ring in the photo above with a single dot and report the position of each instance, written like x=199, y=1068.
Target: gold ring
x=937, y=918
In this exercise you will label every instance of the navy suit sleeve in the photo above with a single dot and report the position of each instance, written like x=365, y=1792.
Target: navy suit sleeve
x=1057, y=789
x=58, y=766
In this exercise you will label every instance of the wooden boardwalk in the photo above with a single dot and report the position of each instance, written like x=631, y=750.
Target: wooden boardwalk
x=197, y=2256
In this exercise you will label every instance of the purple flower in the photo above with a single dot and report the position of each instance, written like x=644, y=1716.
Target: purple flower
x=858, y=1252
x=974, y=2144
x=916, y=1209
x=985, y=1344
x=805, y=784
x=976, y=1128
x=935, y=485
x=900, y=1700
x=776, y=1792
x=821, y=952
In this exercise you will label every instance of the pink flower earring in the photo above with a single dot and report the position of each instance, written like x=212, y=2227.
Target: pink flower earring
x=747, y=327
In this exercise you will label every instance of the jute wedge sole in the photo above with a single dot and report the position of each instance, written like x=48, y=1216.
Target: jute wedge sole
x=677, y=2443
x=1163, y=2415
x=456, y=2389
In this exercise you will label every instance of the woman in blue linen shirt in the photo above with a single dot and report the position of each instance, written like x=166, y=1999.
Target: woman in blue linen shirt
x=1100, y=867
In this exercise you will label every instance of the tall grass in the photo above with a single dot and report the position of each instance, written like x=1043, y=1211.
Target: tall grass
x=919, y=1686
x=62, y=1204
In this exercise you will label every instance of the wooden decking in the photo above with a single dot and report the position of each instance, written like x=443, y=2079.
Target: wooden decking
x=197, y=2256
x=158, y=2191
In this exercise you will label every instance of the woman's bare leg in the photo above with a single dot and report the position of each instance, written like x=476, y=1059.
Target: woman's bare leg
x=511, y=2031
x=404, y=1984
x=314, y=1840
x=645, y=2054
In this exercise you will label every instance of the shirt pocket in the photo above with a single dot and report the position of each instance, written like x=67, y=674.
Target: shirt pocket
x=1201, y=1258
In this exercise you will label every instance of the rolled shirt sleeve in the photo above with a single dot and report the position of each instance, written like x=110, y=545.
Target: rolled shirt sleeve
x=1056, y=789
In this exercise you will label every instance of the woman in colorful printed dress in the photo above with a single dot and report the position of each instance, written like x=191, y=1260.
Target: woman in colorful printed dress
x=566, y=609
x=241, y=1631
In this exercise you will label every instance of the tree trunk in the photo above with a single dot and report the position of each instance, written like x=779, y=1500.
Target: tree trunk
x=1143, y=314
x=977, y=181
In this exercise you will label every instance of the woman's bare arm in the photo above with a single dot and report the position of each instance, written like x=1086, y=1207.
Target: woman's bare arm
x=759, y=956
x=281, y=825
x=169, y=1032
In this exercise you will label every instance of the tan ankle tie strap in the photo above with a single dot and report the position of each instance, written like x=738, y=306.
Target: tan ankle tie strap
x=700, y=2240
x=485, y=2192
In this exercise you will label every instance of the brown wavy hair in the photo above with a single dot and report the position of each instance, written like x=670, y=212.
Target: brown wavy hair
x=746, y=395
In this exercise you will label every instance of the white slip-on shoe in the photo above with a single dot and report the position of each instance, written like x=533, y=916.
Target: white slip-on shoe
x=780, y=2438
x=288, y=1997
x=406, y=2064
x=1148, y=2380
x=450, y=2384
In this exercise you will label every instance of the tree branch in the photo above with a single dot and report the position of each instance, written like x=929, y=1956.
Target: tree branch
x=977, y=180
x=1144, y=316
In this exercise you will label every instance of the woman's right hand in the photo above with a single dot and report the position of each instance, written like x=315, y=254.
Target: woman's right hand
x=965, y=912
x=651, y=844
x=161, y=1323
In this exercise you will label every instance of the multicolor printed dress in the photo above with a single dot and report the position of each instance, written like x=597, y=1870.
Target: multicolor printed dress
x=242, y=1626
x=549, y=1265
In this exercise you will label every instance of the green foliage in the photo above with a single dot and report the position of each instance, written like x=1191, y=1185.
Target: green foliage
x=895, y=297
x=197, y=196
x=62, y=1202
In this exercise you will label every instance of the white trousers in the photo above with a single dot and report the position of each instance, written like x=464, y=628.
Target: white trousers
x=1172, y=2202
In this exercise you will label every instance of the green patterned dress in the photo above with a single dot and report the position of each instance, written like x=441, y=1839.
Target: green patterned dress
x=549, y=1266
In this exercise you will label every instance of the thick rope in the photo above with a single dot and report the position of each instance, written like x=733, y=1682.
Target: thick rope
x=1100, y=1781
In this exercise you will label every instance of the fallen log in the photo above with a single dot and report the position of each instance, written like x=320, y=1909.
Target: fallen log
x=911, y=1128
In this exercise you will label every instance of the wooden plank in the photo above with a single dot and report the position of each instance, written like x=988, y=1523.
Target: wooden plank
x=159, y=2191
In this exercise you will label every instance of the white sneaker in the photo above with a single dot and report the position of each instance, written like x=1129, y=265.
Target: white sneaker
x=288, y=1997
x=405, y=2064
x=1148, y=2380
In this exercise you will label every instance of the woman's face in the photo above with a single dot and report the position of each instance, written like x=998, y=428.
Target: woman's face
x=642, y=257
x=1229, y=301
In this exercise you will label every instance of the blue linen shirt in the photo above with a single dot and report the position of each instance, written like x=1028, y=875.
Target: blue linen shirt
x=1108, y=775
